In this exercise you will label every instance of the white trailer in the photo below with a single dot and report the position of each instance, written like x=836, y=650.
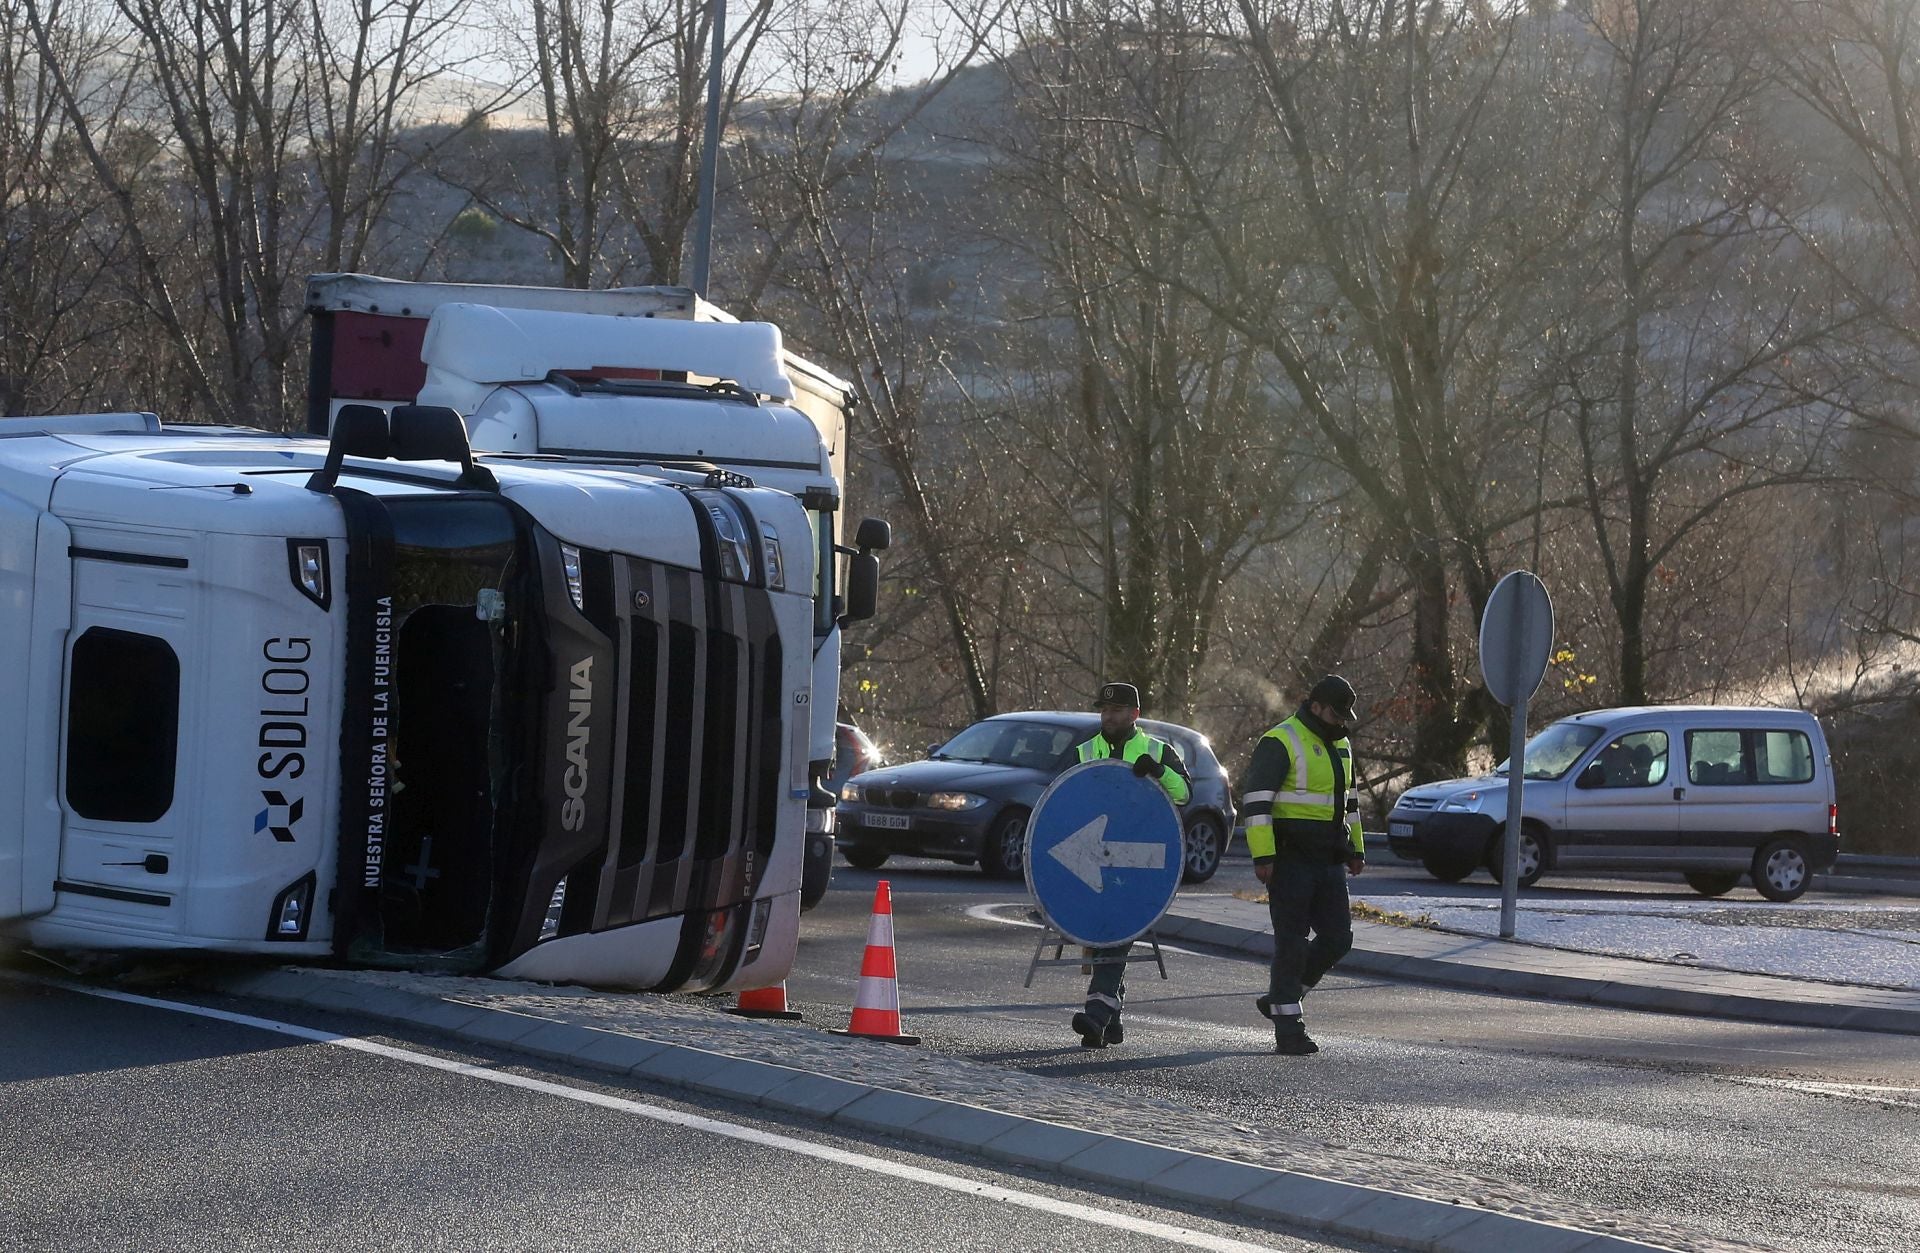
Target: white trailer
x=368, y=700
x=644, y=375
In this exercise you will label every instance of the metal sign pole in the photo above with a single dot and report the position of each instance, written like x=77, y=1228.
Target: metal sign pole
x=1516, y=784
x=710, y=155
x=1516, y=637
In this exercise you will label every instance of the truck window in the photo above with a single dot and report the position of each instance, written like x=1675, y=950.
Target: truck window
x=123, y=726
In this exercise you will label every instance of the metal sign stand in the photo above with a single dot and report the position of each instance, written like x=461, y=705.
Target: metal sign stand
x=1049, y=935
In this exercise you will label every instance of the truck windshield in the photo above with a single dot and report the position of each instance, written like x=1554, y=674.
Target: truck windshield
x=445, y=718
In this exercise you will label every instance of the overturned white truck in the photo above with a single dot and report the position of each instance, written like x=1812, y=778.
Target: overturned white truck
x=366, y=699
x=641, y=375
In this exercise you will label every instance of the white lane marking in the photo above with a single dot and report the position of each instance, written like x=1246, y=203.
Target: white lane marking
x=1584, y=1034
x=695, y=1122
x=1870, y=1093
x=985, y=913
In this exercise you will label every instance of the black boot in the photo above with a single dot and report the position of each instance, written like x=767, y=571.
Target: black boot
x=1116, y=1034
x=1295, y=1044
x=1093, y=1035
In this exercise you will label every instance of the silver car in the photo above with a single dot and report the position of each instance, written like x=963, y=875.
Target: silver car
x=1711, y=791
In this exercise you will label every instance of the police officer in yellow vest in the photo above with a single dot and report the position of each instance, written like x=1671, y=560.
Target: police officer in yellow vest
x=1098, y=1024
x=1305, y=845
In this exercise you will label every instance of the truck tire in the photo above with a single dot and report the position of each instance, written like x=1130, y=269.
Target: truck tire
x=1781, y=871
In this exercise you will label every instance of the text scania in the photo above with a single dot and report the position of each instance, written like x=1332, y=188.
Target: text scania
x=573, y=810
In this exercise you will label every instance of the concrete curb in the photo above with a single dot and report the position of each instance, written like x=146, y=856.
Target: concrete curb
x=1644, y=991
x=1134, y=1166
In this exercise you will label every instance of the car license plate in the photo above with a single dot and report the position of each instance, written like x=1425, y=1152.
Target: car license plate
x=892, y=822
x=1401, y=829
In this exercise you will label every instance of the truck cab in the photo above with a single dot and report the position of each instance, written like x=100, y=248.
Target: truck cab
x=649, y=376
x=371, y=700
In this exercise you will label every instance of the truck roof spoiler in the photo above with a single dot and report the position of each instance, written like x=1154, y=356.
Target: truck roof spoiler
x=410, y=433
x=82, y=424
x=489, y=344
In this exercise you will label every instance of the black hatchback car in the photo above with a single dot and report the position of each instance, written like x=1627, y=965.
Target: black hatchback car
x=968, y=802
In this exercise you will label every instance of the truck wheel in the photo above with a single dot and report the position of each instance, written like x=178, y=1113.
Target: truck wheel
x=1712, y=882
x=1781, y=871
x=1533, y=857
x=1203, y=846
x=1448, y=868
x=860, y=857
x=816, y=870
x=1005, y=854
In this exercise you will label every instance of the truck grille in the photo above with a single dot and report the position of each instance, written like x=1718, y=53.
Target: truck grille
x=697, y=800
x=891, y=798
x=1414, y=802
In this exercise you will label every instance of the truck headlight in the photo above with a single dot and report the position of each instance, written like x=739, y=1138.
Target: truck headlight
x=307, y=563
x=570, y=566
x=772, y=562
x=731, y=533
x=291, y=910
x=850, y=793
x=1465, y=803
x=955, y=800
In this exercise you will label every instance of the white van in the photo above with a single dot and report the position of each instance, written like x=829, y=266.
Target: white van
x=1711, y=791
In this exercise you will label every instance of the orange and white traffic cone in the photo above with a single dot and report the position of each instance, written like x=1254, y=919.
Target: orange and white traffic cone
x=765, y=1003
x=876, y=1005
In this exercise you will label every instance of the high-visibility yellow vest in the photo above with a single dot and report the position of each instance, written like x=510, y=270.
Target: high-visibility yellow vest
x=1311, y=802
x=1142, y=744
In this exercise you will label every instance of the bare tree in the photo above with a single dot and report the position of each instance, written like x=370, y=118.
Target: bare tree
x=1703, y=381
x=373, y=63
x=58, y=245
x=1156, y=425
x=618, y=92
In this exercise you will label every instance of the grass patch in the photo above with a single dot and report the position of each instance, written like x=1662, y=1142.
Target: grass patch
x=1361, y=910
x=1373, y=913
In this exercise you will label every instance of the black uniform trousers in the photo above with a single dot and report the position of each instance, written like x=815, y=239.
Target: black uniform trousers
x=1305, y=896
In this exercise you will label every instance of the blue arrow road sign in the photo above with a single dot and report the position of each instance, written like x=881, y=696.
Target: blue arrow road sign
x=1103, y=853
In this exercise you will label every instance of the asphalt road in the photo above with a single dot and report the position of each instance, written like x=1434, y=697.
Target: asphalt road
x=1802, y=1139
x=133, y=1128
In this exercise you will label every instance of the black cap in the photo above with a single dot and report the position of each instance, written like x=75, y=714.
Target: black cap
x=1336, y=694
x=1125, y=695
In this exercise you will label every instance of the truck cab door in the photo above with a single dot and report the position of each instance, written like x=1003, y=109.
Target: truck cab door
x=125, y=847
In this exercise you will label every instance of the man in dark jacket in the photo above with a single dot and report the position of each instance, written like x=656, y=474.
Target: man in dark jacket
x=1305, y=844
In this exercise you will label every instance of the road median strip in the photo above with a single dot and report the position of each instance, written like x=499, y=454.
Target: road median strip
x=1270, y=1193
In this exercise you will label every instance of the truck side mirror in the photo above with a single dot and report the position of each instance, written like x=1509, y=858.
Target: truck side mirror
x=873, y=535
x=863, y=587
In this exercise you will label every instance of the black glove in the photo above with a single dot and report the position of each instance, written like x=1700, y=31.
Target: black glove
x=1148, y=767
